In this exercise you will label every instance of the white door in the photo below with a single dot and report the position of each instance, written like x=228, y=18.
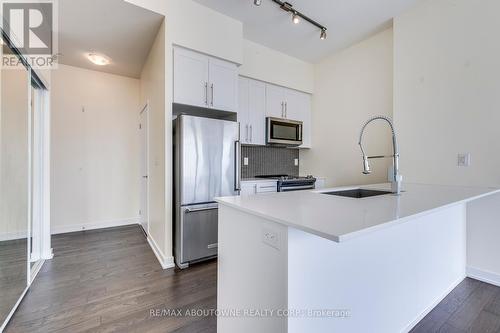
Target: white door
x=144, y=180
x=257, y=112
x=275, y=99
x=243, y=105
x=190, y=78
x=223, y=89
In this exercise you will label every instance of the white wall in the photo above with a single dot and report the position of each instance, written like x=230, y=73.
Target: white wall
x=265, y=64
x=350, y=87
x=446, y=101
x=95, y=149
x=197, y=27
x=153, y=93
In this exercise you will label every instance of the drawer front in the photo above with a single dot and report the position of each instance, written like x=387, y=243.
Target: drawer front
x=248, y=189
x=267, y=187
x=199, y=234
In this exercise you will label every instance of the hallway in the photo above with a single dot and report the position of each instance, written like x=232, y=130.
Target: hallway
x=108, y=280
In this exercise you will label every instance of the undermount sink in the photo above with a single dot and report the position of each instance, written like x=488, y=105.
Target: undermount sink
x=358, y=193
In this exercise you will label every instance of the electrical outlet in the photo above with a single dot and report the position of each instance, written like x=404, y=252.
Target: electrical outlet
x=245, y=160
x=271, y=238
x=296, y=161
x=463, y=160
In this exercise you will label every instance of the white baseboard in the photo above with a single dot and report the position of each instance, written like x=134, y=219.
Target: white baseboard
x=165, y=262
x=54, y=230
x=433, y=305
x=484, y=276
x=8, y=236
x=48, y=255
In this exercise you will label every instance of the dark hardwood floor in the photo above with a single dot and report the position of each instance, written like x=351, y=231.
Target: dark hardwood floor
x=473, y=306
x=13, y=270
x=109, y=281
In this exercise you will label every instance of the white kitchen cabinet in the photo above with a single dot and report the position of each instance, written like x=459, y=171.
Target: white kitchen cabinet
x=298, y=107
x=204, y=81
x=275, y=101
x=249, y=187
x=252, y=111
x=223, y=78
x=290, y=104
x=190, y=78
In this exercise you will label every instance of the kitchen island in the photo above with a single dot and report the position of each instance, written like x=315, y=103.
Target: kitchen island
x=306, y=261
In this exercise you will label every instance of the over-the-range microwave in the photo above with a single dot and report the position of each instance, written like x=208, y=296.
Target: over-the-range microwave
x=283, y=132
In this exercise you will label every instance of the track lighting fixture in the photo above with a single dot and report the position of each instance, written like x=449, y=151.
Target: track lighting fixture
x=296, y=15
x=322, y=36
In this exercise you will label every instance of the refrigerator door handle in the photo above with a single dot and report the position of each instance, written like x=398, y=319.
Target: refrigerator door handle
x=237, y=164
x=194, y=210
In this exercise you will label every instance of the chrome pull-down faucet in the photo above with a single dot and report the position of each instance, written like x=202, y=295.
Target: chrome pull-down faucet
x=396, y=178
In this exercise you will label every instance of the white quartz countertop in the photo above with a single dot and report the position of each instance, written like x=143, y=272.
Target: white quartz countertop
x=341, y=218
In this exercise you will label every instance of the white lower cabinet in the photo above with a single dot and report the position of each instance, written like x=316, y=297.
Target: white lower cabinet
x=256, y=187
x=248, y=189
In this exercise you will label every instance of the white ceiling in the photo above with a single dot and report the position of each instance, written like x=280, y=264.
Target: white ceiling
x=120, y=30
x=348, y=21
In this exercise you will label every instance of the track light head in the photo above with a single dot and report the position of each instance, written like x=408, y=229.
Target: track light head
x=295, y=18
x=322, y=36
x=257, y=2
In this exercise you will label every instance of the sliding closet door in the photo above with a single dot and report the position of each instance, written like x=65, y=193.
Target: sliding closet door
x=15, y=184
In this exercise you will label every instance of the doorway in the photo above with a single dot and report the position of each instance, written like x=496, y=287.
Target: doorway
x=144, y=165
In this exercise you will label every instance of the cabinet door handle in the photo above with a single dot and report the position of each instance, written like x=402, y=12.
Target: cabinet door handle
x=251, y=133
x=212, y=102
x=282, y=109
x=286, y=109
x=246, y=136
x=206, y=93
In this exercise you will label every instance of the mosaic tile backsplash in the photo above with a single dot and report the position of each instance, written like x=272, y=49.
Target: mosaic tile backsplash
x=264, y=160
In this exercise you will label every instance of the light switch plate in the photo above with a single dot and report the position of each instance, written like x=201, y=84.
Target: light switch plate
x=245, y=160
x=463, y=159
x=296, y=161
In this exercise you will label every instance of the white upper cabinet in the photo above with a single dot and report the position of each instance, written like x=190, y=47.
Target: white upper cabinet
x=223, y=84
x=257, y=112
x=290, y=104
x=204, y=81
x=252, y=111
x=275, y=101
x=243, y=109
x=298, y=107
x=190, y=78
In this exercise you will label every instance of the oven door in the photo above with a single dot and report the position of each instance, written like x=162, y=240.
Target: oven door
x=283, y=132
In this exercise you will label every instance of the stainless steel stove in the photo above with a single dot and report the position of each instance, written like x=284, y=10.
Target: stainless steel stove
x=287, y=183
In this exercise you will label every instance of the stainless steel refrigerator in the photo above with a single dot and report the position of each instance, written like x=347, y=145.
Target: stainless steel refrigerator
x=206, y=166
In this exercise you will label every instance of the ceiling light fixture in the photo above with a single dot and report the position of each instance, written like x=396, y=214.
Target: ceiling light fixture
x=98, y=59
x=323, y=34
x=296, y=15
